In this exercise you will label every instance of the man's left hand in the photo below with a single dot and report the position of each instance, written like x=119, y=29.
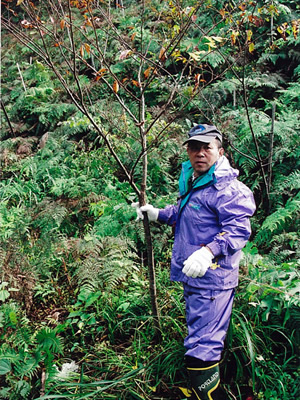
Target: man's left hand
x=196, y=265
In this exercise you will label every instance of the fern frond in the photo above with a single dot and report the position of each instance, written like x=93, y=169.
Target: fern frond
x=27, y=367
x=258, y=80
x=49, y=215
x=285, y=246
x=291, y=182
x=91, y=198
x=291, y=94
x=23, y=337
x=5, y=393
x=279, y=220
x=294, y=318
x=270, y=57
x=22, y=389
x=246, y=165
x=107, y=264
x=116, y=268
x=49, y=341
x=214, y=59
x=10, y=354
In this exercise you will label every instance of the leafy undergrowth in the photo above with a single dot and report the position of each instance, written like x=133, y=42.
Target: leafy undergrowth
x=100, y=344
x=75, y=314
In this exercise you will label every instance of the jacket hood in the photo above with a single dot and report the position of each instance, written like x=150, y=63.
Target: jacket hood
x=224, y=172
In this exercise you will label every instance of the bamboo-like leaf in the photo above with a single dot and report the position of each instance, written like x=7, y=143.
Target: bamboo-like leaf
x=250, y=346
x=82, y=50
x=116, y=86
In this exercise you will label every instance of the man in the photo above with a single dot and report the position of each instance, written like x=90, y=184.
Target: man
x=211, y=227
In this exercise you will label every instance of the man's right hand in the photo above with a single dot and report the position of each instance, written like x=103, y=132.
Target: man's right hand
x=151, y=211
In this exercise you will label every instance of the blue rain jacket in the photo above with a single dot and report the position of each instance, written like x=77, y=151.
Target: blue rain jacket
x=215, y=213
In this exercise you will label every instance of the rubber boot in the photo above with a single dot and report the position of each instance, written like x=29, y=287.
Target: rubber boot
x=204, y=378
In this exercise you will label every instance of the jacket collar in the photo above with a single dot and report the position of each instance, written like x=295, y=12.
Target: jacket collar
x=185, y=185
x=204, y=180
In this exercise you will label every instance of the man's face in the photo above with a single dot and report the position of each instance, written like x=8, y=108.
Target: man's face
x=203, y=155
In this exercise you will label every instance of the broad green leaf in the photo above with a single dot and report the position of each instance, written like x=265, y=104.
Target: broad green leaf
x=4, y=294
x=5, y=367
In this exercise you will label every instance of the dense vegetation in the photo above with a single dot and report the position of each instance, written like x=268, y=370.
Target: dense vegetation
x=87, y=90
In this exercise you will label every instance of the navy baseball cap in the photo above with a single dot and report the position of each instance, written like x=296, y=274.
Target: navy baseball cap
x=204, y=133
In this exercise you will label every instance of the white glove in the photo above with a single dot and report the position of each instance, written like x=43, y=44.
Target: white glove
x=198, y=263
x=149, y=209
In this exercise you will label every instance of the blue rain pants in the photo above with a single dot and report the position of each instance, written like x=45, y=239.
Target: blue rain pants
x=208, y=314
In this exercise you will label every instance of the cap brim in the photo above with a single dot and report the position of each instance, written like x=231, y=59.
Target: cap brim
x=203, y=138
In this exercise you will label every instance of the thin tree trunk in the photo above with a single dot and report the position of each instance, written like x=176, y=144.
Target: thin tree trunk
x=271, y=140
x=272, y=27
x=152, y=276
x=259, y=160
x=7, y=119
x=149, y=246
x=142, y=200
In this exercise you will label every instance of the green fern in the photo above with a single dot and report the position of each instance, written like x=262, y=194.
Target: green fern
x=13, y=221
x=291, y=95
x=106, y=262
x=7, y=353
x=272, y=57
x=49, y=215
x=285, y=246
x=90, y=198
x=288, y=183
x=278, y=221
x=27, y=367
x=27, y=352
x=261, y=80
x=21, y=390
x=23, y=336
x=48, y=340
x=214, y=58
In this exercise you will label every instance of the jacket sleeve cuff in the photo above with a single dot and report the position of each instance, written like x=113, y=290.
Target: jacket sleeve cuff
x=215, y=248
x=162, y=216
x=168, y=215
